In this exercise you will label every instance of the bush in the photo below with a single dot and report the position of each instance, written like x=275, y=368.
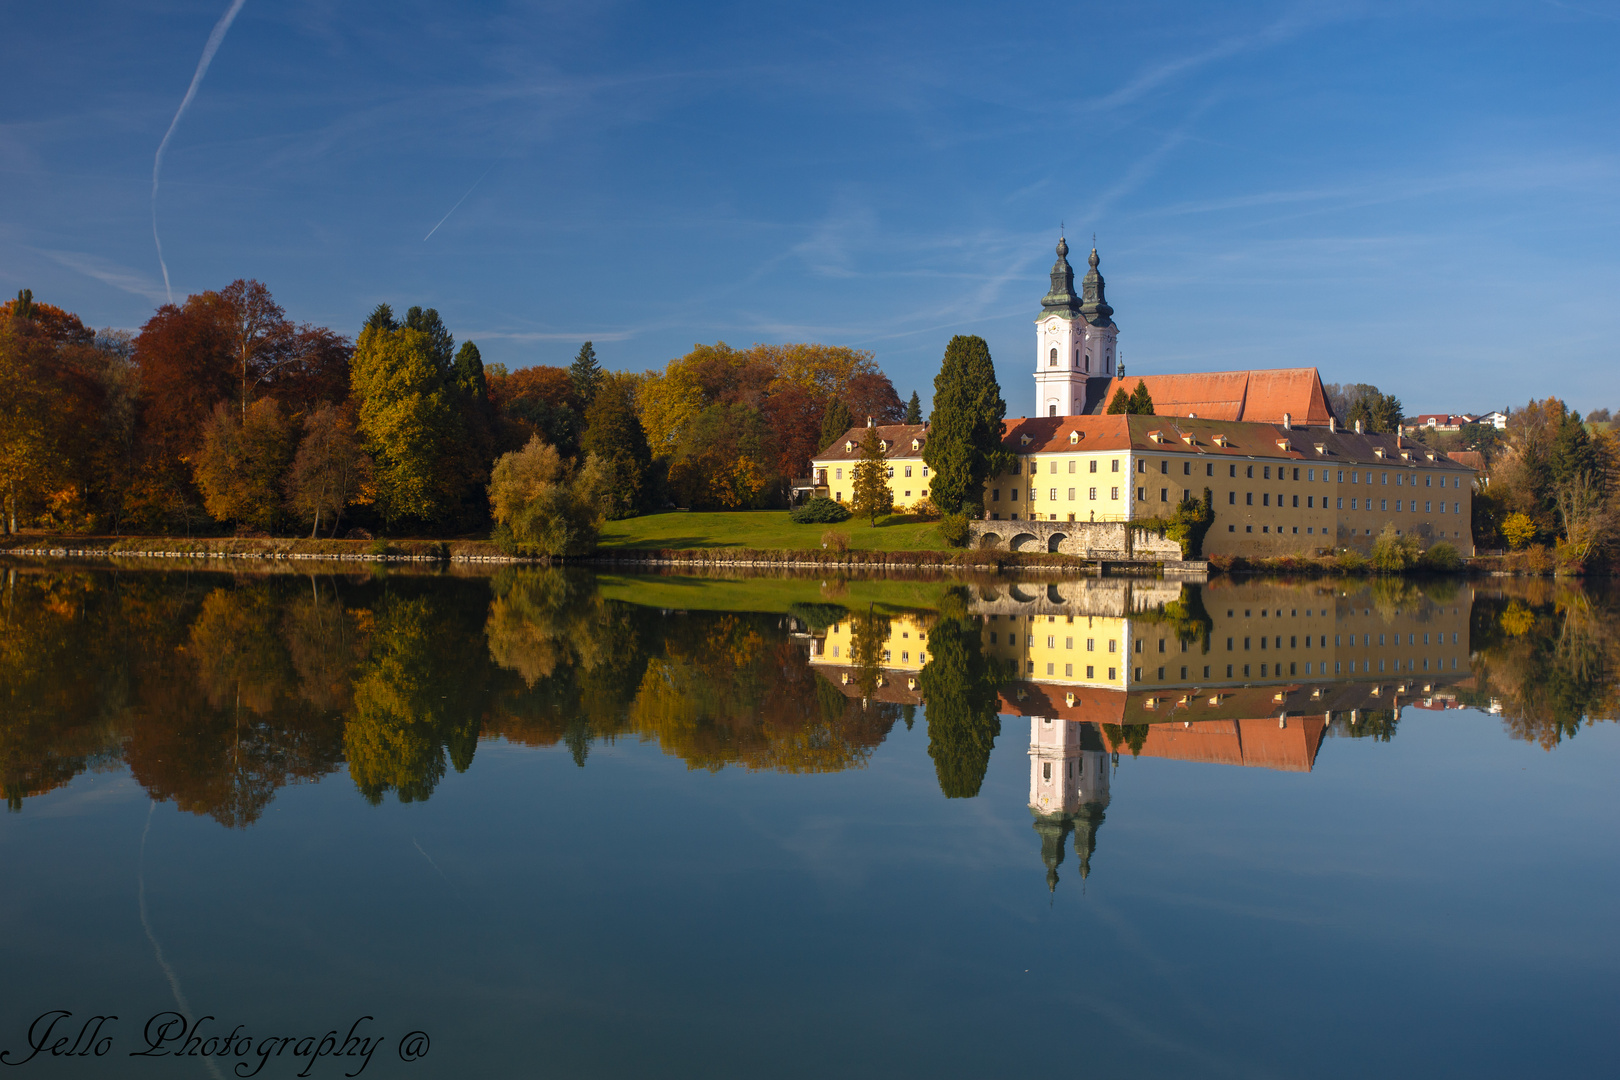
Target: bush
x=1393, y=552
x=820, y=511
x=1518, y=530
x=924, y=509
x=379, y=546
x=543, y=509
x=1351, y=561
x=835, y=540
x=1443, y=557
x=953, y=529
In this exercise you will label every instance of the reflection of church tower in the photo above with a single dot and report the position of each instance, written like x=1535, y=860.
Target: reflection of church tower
x=1068, y=789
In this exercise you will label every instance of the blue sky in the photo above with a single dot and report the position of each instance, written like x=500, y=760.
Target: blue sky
x=1421, y=195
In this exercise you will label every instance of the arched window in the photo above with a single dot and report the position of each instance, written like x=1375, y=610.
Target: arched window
x=1051, y=410
x=1077, y=358
x=1053, y=361
x=1088, y=361
x=1046, y=770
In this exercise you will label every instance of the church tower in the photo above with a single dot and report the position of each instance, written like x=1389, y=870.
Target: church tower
x=1075, y=338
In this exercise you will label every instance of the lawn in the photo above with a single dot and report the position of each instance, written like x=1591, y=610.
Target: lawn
x=764, y=530
x=777, y=595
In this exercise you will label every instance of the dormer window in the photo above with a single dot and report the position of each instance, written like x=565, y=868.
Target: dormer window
x=884, y=444
x=916, y=444
x=1282, y=444
x=1222, y=440
x=1189, y=439
x=1024, y=440
x=1074, y=437
x=1379, y=450
x=848, y=446
x=1156, y=436
x=1321, y=448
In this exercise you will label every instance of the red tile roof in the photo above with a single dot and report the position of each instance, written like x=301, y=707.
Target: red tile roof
x=1255, y=396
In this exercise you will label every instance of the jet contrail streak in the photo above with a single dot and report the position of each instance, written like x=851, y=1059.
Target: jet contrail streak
x=214, y=40
x=459, y=201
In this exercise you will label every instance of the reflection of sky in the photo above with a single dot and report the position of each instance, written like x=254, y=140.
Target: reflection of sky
x=1375, y=917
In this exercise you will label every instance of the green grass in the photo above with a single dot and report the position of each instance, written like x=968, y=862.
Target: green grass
x=764, y=530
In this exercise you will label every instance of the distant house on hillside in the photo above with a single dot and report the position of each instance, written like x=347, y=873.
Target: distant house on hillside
x=1439, y=421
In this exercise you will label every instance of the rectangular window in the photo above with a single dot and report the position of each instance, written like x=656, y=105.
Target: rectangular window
x=908, y=470
x=1164, y=494
x=1353, y=477
x=1251, y=472
x=1111, y=673
x=1231, y=470
x=1385, y=481
x=1071, y=494
x=1093, y=465
x=1248, y=498
x=1209, y=468
x=1113, y=493
x=925, y=470
x=1352, y=504
x=1091, y=672
x=995, y=495
x=1052, y=468
x=1265, y=499
x=1310, y=501
x=1015, y=468
x=1051, y=642
x=1113, y=466
x=1068, y=669
x=1383, y=504
x=1341, y=504
x=1186, y=468
x=1231, y=498
x=1049, y=669
x=1052, y=494
x=1426, y=505
x=1296, y=500
x=1268, y=472
x=1013, y=494
x=838, y=474
x=1091, y=644
x=1141, y=494
x=1071, y=465
x=1113, y=645
x=1093, y=493
x=1141, y=465
x=1068, y=643
x=1310, y=474
x=1164, y=467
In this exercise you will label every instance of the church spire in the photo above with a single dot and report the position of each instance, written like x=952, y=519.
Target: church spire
x=1095, y=306
x=1061, y=300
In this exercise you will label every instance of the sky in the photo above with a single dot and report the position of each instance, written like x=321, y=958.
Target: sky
x=1424, y=196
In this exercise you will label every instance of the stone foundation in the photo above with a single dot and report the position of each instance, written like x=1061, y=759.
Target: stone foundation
x=1105, y=540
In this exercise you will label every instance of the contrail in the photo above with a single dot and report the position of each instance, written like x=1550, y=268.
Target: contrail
x=214, y=40
x=459, y=201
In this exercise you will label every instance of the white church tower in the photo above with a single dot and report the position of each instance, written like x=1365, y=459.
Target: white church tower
x=1076, y=338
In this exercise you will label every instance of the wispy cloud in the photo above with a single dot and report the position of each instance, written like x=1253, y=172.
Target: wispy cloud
x=550, y=335
x=108, y=273
x=209, y=49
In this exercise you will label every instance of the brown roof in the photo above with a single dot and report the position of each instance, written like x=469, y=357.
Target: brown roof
x=898, y=436
x=1255, y=396
x=1471, y=458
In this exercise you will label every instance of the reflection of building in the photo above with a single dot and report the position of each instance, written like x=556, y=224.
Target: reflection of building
x=1068, y=789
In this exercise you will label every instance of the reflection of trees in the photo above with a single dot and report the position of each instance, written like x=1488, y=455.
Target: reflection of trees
x=417, y=699
x=1131, y=736
x=223, y=729
x=959, y=687
x=54, y=721
x=868, y=633
x=1376, y=724
x=1548, y=660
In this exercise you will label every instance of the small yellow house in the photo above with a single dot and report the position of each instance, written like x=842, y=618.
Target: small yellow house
x=833, y=470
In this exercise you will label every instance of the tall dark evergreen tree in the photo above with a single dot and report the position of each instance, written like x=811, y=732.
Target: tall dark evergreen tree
x=614, y=434
x=914, y=409
x=964, y=438
x=468, y=373
x=1141, y=403
x=1121, y=403
x=834, y=422
x=586, y=375
x=381, y=318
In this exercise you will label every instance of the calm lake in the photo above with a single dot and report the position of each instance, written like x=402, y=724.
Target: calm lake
x=551, y=823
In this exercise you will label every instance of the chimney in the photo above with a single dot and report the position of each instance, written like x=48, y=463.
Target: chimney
x=1358, y=427
x=1288, y=422
x=868, y=421
x=1333, y=423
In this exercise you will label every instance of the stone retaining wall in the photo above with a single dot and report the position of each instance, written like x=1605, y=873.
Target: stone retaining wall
x=1114, y=541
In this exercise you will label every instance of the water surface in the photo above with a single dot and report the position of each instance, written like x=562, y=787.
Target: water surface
x=581, y=826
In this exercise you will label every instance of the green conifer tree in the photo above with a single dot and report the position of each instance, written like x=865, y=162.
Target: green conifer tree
x=586, y=375
x=1141, y=403
x=964, y=437
x=914, y=409
x=834, y=422
x=1121, y=404
x=872, y=493
x=614, y=435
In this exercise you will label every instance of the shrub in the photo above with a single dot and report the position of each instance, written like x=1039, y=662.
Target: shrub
x=953, y=529
x=1442, y=556
x=1351, y=561
x=835, y=540
x=379, y=546
x=924, y=509
x=820, y=511
x=1393, y=552
x=1223, y=562
x=544, y=510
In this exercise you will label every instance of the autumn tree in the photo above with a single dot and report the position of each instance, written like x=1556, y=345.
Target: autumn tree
x=406, y=417
x=872, y=495
x=964, y=439
x=542, y=507
x=330, y=471
x=242, y=463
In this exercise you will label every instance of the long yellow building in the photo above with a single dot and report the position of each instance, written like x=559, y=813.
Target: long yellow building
x=1277, y=489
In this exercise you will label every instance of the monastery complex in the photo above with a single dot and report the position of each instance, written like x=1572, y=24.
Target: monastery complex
x=1285, y=477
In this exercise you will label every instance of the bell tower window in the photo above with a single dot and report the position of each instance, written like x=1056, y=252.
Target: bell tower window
x=1053, y=361
x=1088, y=361
x=1051, y=410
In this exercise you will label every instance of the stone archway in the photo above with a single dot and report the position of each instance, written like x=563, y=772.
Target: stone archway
x=1054, y=542
x=989, y=541
x=1025, y=542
